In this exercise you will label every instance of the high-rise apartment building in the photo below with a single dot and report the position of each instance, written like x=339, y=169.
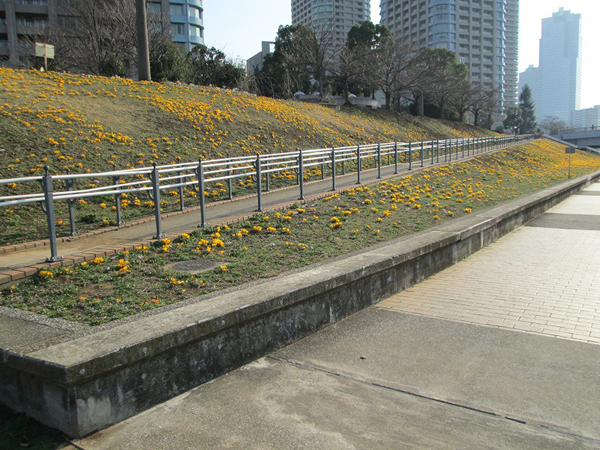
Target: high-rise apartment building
x=24, y=21
x=556, y=83
x=484, y=35
x=185, y=17
x=338, y=16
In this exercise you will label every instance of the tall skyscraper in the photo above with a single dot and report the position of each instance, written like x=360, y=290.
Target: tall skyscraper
x=556, y=83
x=331, y=15
x=484, y=34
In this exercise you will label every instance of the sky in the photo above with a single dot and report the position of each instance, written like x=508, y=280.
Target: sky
x=239, y=26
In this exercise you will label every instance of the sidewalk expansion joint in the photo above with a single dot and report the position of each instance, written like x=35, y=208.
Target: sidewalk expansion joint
x=549, y=427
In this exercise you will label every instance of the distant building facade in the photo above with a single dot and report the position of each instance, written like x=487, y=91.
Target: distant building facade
x=24, y=21
x=556, y=83
x=21, y=21
x=336, y=16
x=256, y=62
x=484, y=34
x=186, y=18
x=586, y=118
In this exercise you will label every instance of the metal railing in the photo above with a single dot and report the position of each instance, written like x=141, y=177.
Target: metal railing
x=589, y=129
x=197, y=175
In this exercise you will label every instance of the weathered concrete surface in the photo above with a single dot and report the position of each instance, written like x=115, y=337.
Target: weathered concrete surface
x=18, y=333
x=387, y=380
x=93, y=381
x=535, y=379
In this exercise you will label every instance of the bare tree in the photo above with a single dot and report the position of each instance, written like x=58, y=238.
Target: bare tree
x=391, y=67
x=444, y=77
x=484, y=101
x=349, y=68
x=93, y=32
x=100, y=36
x=553, y=124
x=312, y=53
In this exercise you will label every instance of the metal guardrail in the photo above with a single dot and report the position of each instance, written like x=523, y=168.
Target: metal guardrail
x=576, y=130
x=153, y=180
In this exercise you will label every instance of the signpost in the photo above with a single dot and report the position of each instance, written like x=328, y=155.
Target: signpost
x=45, y=51
x=569, y=151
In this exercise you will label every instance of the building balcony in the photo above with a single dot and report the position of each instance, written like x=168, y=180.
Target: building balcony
x=31, y=8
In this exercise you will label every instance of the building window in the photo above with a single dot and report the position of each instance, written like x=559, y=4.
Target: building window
x=195, y=31
x=176, y=10
x=195, y=12
x=154, y=8
x=177, y=28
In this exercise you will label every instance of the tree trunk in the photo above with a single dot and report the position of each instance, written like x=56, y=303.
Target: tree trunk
x=142, y=37
x=346, y=95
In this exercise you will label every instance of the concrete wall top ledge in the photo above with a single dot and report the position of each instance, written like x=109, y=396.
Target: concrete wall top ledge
x=87, y=357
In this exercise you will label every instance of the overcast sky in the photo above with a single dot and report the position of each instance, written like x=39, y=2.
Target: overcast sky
x=239, y=26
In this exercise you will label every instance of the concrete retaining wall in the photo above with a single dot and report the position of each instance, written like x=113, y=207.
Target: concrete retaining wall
x=93, y=381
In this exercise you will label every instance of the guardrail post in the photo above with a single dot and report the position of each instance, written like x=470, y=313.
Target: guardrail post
x=378, y=161
x=267, y=180
x=301, y=174
x=116, y=180
x=71, y=203
x=431, y=147
x=258, y=168
x=462, y=154
x=410, y=156
x=200, y=191
x=437, y=150
x=323, y=167
x=181, y=199
x=333, y=170
x=422, y=154
x=358, y=164
x=229, y=183
x=155, y=196
x=48, y=208
x=395, y=158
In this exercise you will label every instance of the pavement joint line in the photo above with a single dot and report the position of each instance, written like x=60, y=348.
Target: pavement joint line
x=225, y=221
x=539, y=328
x=550, y=427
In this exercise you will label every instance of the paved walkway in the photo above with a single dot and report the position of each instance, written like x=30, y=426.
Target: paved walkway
x=498, y=351
x=544, y=278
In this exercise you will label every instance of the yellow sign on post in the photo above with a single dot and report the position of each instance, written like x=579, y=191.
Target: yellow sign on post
x=45, y=51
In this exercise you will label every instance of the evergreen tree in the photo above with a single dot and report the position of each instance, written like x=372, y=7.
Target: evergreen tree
x=514, y=119
x=527, y=108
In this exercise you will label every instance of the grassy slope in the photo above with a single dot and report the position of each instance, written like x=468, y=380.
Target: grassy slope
x=86, y=123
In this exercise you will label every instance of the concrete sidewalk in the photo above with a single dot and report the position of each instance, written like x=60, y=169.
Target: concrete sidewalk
x=498, y=351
